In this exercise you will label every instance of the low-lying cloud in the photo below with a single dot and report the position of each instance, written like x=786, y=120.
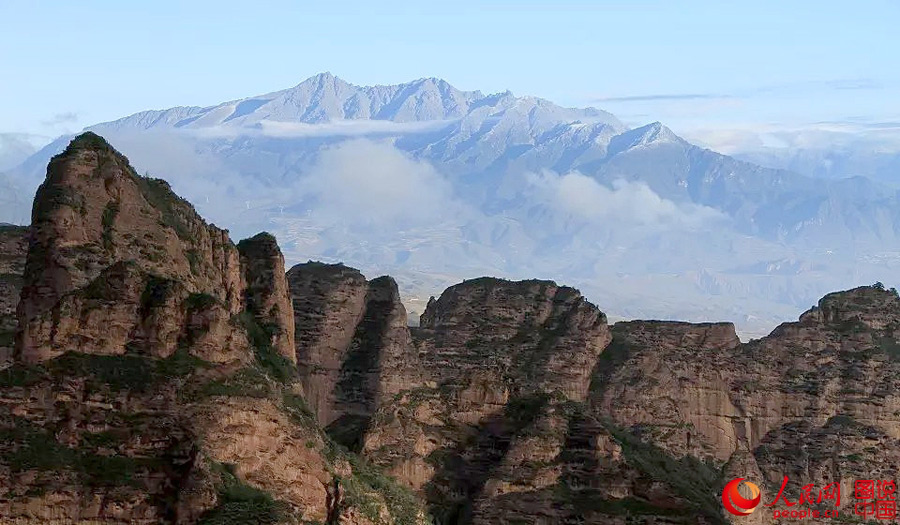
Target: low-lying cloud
x=333, y=128
x=624, y=204
x=373, y=182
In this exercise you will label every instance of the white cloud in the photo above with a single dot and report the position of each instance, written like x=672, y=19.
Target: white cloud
x=365, y=182
x=626, y=203
x=334, y=128
x=349, y=128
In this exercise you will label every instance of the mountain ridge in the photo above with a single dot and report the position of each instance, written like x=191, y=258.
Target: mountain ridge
x=459, y=183
x=324, y=97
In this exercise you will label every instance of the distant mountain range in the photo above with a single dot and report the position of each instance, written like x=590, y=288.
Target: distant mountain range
x=432, y=184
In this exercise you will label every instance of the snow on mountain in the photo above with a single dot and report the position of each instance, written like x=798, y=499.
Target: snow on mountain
x=326, y=98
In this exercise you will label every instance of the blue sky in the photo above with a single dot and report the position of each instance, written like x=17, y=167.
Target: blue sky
x=692, y=65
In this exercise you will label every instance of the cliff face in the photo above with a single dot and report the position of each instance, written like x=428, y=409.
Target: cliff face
x=498, y=357
x=13, y=249
x=93, y=210
x=816, y=400
x=353, y=346
x=266, y=296
x=533, y=412
x=154, y=377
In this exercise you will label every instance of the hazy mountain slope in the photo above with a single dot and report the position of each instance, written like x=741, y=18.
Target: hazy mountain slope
x=16, y=147
x=834, y=157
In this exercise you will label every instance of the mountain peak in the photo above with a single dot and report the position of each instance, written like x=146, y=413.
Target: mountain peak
x=323, y=79
x=88, y=140
x=657, y=132
x=649, y=135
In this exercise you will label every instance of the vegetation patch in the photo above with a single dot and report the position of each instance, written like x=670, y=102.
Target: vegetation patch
x=156, y=290
x=256, y=245
x=109, y=217
x=116, y=372
x=7, y=338
x=88, y=140
x=240, y=503
x=522, y=411
x=260, y=335
x=247, y=382
x=198, y=302
x=295, y=407
x=29, y=447
x=193, y=258
x=173, y=209
x=890, y=346
x=51, y=197
x=14, y=279
x=587, y=501
x=368, y=486
x=21, y=375
x=695, y=481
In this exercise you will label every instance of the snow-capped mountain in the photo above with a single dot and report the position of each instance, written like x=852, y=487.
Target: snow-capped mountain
x=326, y=98
x=432, y=184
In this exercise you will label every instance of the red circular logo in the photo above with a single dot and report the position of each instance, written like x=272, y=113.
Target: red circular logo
x=737, y=504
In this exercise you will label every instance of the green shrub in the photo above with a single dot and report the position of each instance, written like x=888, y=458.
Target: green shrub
x=695, y=481
x=109, y=217
x=260, y=336
x=52, y=197
x=172, y=208
x=247, y=382
x=7, y=338
x=362, y=488
x=193, y=257
x=240, y=503
x=116, y=372
x=198, y=302
x=155, y=292
x=88, y=140
x=33, y=448
x=295, y=406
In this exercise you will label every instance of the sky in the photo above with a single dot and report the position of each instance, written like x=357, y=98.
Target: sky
x=695, y=65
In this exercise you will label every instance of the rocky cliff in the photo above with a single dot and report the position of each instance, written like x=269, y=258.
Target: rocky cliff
x=163, y=374
x=154, y=378
x=354, y=350
x=499, y=358
x=13, y=249
x=113, y=259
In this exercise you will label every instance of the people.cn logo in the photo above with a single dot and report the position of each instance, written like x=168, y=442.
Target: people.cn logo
x=737, y=504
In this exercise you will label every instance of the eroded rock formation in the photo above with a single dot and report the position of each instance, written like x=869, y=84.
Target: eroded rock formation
x=154, y=377
x=163, y=374
x=353, y=346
